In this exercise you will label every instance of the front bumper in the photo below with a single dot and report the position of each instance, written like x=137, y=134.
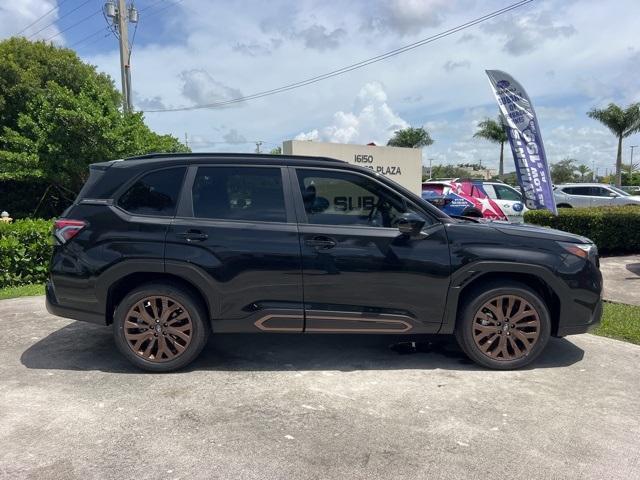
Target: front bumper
x=576, y=328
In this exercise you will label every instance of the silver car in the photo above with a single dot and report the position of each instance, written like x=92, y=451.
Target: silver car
x=571, y=195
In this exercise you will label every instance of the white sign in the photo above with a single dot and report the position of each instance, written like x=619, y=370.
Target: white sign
x=402, y=165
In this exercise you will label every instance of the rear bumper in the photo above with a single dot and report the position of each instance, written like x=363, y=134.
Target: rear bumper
x=54, y=308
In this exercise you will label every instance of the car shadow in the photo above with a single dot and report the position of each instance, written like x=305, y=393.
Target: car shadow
x=85, y=347
x=633, y=268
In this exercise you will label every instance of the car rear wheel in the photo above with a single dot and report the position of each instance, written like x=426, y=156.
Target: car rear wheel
x=504, y=326
x=564, y=205
x=160, y=327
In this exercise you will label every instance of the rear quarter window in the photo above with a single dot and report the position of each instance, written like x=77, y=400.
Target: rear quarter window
x=156, y=193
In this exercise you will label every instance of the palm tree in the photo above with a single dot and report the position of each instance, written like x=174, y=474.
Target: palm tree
x=583, y=170
x=494, y=132
x=411, y=138
x=622, y=123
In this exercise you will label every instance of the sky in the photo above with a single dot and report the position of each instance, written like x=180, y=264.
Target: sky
x=570, y=55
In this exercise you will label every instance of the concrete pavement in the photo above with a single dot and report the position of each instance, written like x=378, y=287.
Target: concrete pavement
x=309, y=407
x=621, y=279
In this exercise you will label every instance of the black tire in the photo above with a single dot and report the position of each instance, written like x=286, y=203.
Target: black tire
x=466, y=325
x=181, y=300
x=564, y=205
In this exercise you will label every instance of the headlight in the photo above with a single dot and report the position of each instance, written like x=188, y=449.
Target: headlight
x=582, y=250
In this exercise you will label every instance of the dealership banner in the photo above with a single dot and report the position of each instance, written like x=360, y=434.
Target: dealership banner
x=523, y=131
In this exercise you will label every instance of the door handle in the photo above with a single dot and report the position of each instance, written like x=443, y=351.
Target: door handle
x=193, y=235
x=321, y=242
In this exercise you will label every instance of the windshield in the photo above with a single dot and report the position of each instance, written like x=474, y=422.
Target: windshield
x=620, y=191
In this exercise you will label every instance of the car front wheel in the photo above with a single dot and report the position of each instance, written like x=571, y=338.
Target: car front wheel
x=160, y=327
x=504, y=326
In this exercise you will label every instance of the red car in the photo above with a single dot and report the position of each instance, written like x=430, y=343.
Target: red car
x=462, y=198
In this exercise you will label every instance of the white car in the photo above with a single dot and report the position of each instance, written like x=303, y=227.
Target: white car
x=509, y=199
x=573, y=195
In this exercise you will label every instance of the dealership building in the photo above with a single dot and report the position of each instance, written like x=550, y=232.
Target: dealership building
x=402, y=165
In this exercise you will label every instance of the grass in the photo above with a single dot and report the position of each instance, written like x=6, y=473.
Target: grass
x=620, y=321
x=22, y=291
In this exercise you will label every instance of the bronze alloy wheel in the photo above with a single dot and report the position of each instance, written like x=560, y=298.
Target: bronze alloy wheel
x=506, y=327
x=158, y=328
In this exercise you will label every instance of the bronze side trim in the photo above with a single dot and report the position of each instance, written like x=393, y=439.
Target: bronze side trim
x=406, y=325
x=260, y=323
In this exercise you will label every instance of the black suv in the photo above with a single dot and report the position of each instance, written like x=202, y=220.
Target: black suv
x=169, y=248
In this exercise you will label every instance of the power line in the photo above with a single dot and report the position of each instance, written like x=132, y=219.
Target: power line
x=57, y=20
x=74, y=25
x=155, y=12
x=103, y=29
x=40, y=17
x=351, y=67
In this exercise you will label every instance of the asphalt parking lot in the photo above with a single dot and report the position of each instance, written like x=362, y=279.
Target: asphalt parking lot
x=309, y=407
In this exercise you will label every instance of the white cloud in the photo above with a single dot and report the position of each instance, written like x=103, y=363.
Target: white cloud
x=450, y=65
x=201, y=88
x=318, y=37
x=525, y=33
x=372, y=120
x=16, y=15
x=406, y=17
x=233, y=137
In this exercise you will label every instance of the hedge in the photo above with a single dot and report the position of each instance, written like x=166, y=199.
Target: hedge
x=613, y=229
x=25, y=250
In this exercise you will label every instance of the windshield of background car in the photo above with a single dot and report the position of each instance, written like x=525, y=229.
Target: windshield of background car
x=507, y=193
x=620, y=191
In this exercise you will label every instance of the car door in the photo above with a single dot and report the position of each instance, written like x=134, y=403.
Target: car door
x=360, y=274
x=603, y=196
x=579, y=196
x=236, y=226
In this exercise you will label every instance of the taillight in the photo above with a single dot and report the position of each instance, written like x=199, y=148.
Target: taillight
x=64, y=229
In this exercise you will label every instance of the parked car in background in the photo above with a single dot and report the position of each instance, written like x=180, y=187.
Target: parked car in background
x=169, y=248
x=475, y=198
x=575, y=195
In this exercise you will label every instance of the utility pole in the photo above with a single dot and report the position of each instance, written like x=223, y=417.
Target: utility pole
x=631, y=161
x=258, y=144
x=594, y=172
x=120, y=17
x=186, y=140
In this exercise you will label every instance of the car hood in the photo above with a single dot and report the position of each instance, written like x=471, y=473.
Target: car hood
x=526, y=230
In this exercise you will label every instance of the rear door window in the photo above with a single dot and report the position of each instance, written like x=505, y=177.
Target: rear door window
x=156, y=193
x=239, y=193
x=578, y=191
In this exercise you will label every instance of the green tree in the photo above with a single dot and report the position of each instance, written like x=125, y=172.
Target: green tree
x=564, y=171
x=276, y=151
x=583, y=170
x=58, y=114
x=510, y=178
x=411, y=138
x=452, y=171
x=622, y=123
x=493, y=131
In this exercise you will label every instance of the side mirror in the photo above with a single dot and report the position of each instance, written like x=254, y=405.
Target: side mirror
x=410, y=224
x=613, y=195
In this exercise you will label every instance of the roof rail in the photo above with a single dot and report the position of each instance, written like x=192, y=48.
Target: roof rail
x=158, y=155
